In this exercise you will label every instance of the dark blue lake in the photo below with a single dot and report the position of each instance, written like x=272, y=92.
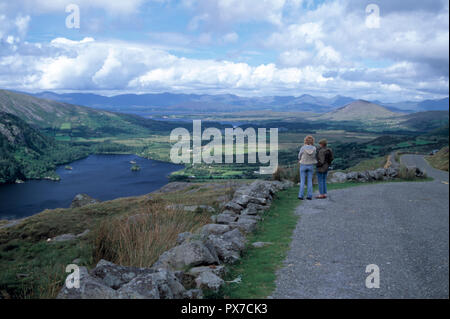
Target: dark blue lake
x=103, y=177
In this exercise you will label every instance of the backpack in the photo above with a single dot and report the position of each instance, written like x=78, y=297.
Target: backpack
x=329, y=157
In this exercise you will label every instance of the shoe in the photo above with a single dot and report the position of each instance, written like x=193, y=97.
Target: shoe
x=301, y=198
x=319, y=197
x=309, y=198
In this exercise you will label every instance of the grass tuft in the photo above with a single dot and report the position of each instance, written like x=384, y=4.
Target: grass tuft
x=139, y=240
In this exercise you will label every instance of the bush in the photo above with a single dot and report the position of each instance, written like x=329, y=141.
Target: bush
x=407, y=173
x=139, y=240
x=291, y=173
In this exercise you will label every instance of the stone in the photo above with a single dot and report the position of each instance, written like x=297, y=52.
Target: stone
x=162, y=284
x=234, y=207
x=193, y=294
x=83, y=234
x=189, y=254
x=69, y=237
x=226, y=217
x=419, y=172
x=215, y=229
x=82, y=200
x=254, y=209
x=236, y=238
x=115, y=276
x=208, y=280
x=216, y=270
x=246, y=223
x=261, y=244
x=199, y=208
x=392, y=172
x=183, y=237
x=225, y=249
x=352, y=176
x=64, y=237
x=90, y=288
x=338, y=177
x=379, y=173
x=364, y=176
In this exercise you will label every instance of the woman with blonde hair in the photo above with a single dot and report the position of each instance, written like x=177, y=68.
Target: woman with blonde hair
x=308, y=159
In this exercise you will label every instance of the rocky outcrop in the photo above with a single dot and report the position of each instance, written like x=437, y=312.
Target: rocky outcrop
x=195, y=263
x=110, y=281
x=82, y=200
x=69, y=237
x=380, y=174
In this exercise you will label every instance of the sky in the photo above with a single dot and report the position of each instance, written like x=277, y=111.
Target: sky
x=390, y=50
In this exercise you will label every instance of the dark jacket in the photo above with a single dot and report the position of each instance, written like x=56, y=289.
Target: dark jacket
x=324, y=159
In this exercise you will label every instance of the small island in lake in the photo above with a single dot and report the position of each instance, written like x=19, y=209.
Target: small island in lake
x=68, y=168
x=135, y=168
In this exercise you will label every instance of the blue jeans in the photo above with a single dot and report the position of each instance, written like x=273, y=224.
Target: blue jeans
x=322, y=179
x=306, y=172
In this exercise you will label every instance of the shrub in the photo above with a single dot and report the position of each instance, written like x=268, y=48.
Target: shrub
x=291, y=173
x=139, y=240
x=407, y=173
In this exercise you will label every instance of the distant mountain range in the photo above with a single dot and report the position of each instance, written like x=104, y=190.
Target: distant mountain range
x=228, y=102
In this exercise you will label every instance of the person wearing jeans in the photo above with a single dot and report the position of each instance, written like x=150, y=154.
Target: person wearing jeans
x=322, y=180
x=324, y=160
x=306, y=176
x=307, y=157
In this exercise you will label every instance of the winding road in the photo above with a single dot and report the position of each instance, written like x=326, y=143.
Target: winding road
x=403, y=228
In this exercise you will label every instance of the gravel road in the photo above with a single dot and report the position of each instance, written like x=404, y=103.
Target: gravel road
x=403, y=228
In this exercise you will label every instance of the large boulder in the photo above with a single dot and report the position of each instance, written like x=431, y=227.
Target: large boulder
x=216, y=270
x=352, y=176
x=90, y=288
x=111, y=281
x=208, y=280
x=233, y=206
x=115, y=276
x=214, y=229
x=246, y=223
x=254, y=209
x=338, y=177
x=162, y=284
x=236, y=238
x=189, y=254
x=81, y=200
x=226, y=217
x=181, y=238
x=379, y=173
x=392, y=171
x=225, y=249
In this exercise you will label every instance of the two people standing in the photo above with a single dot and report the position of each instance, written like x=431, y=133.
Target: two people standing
x=311, y=157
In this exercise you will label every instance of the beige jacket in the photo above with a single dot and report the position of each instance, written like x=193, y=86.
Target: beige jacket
x=307, y=155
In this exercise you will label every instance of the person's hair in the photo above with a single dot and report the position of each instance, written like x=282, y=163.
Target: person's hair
x=323, y=142
x=309, y=140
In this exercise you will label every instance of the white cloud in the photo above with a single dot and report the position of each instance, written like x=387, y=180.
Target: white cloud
x=231, y=37
x=230, y=12
x=46, y=6
x=326, y=50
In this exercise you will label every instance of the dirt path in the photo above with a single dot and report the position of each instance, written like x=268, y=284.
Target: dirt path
x=403, y=228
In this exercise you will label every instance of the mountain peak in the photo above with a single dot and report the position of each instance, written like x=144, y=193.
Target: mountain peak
x=359, y=110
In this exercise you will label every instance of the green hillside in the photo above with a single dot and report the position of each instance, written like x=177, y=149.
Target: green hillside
x=427, y=121
x=69, y=122
x=25, y=153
